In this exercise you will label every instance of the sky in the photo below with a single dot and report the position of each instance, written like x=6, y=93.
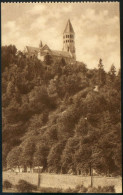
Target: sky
x=96, y=27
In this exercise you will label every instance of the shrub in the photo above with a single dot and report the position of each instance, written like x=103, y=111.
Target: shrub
x=24, y=186
x=109, y=189
x=81, y=189
x=7, y=184
x=50, y=190
x=69, y=190
x=105, y=189
x=92, y=190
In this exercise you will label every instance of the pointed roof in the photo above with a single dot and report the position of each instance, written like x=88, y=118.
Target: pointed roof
x=69, y=28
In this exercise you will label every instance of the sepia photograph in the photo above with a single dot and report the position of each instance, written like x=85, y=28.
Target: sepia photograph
x=61, y=97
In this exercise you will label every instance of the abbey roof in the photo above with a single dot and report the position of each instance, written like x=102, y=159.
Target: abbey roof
x=60, y=53
x=45, y=48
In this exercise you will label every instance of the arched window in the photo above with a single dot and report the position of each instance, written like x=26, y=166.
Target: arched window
x=66, y=36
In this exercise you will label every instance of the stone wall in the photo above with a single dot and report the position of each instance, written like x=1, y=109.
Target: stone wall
x=15, y=177
x=63, y=181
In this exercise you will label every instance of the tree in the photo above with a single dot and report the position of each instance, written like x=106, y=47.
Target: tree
x=52, y=90
x=117, y=82
x=8, y=55
x=48, y=59
x=83, y=158
x=10, y=89
x=101, y=73
x=68, y=155
x=112, y=73
x=82, y=127
x=28, y=149
x=66, y=122
x=54, y=157
x=40, y=156
x=5, y=150
x=13, y=157
x=100, y=65
x=63, y=62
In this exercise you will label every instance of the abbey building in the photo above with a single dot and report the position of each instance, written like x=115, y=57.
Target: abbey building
x=67, y=53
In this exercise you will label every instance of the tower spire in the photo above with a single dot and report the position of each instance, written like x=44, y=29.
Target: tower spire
x=69, y=28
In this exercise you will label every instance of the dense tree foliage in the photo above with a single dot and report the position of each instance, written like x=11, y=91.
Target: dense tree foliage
x=60, y=116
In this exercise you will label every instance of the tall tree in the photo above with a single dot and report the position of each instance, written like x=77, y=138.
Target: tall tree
x=101, y=73
x=40, y=155
x=112, y=73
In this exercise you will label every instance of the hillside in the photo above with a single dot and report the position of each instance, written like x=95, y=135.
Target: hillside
x=60, y=116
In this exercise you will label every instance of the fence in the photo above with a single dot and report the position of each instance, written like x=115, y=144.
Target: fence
x=63, y=181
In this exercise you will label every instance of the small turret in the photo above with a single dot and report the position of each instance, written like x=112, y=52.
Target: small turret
x=40, y=45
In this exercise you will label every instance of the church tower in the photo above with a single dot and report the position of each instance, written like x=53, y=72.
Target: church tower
x=68, y=40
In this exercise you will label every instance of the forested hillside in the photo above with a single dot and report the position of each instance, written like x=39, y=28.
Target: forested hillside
x=60, y=116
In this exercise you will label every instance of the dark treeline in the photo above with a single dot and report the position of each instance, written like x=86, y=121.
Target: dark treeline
x=60, y=116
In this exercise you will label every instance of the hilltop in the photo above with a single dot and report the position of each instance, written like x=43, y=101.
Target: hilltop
x=60, y=116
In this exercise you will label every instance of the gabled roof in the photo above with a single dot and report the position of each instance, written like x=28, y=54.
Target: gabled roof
x=69, y=28
x=32, y=49
x=45, y=47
